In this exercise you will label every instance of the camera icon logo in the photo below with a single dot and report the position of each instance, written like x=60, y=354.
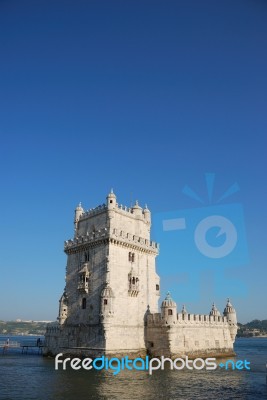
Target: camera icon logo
x=205, y=238
x=226, y=227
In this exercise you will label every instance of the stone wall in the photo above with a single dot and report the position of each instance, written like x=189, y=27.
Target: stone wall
x=189, y=334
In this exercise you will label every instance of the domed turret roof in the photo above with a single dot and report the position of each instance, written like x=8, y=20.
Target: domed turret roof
x=146, y=210
x=64, y=298
x=79, y=207
x=111, y=194
x=136, y=206
x=168, y=301
x=107, y=292
x=215, y=311
x=228, y=308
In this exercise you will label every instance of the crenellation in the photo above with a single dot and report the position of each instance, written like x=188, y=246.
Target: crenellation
x=93, y=211
x=102, y=233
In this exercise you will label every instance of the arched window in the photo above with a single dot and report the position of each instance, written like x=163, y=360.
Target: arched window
x=105, y=302
x=157, y=287
x=169, y=312
x=84, y=303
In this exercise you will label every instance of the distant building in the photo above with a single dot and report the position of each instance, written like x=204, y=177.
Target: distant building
x=110, y=302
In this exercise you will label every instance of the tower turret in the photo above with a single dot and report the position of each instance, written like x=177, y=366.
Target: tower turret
x=168, y=310
x=214, y=311
x=107, y=296
x=147, y=215
x=106, y=310
x=230, y=314
x=63, y=309
x=137, y=210
x=111, y=200
x=78, y=212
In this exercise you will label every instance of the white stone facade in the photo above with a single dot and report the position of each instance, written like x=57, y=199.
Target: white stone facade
x=110, y=302
x=179, y=334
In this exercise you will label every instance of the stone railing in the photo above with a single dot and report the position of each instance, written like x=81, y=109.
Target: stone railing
x=185, y=317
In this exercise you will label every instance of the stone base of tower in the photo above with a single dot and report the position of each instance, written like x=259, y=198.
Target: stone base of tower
x=202, y=353
x=95, y=341
x=70, y=339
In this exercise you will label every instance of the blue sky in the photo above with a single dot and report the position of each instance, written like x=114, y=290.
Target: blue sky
x=141, y=96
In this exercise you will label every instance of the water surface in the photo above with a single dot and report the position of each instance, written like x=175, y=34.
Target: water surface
x=33, y=377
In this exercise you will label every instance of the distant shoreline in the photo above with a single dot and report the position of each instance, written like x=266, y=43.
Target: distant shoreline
x=22, y=334
x=251, y=337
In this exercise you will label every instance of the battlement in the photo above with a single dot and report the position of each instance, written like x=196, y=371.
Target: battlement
x=112, y=215
x=89, y=237
x=192, y=319
x=133, y=212
x=93, y=211
x=116, y=235
x=129, y=211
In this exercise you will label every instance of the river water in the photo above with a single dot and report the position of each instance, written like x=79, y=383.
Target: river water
x=33, y=377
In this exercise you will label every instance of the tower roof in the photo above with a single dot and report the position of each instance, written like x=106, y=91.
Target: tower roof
x=136, y=206
x=111, y=194
x=107, y=292
x=214, y=310
x=168, y=301
x=79, y=207
x=146, y=210
x=228, y=308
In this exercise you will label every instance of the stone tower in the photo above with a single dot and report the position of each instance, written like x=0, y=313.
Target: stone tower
x=110, y=302
x=110, y=281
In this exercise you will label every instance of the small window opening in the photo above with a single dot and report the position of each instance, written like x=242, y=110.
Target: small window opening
x=84, y=303
x=131, y=257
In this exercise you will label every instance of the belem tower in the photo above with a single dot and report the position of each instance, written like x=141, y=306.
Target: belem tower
x=110, y=302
